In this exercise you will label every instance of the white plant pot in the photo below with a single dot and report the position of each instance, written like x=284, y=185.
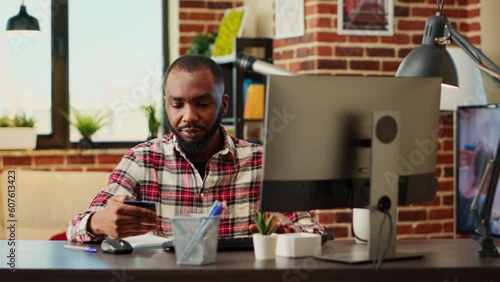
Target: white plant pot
x=361, y=225
x=17, y=138
x=264, y=246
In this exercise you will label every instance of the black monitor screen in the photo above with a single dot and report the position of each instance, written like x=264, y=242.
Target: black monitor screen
x=478, y=132
x=318, y=137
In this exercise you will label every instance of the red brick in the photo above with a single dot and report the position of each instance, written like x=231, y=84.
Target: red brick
x=449, y=171
x=437, y=172
x=445, y=132
x=348, y=52
x=446, y=118
x=364, y=65
x=223, y=5
x=319, y=22
x=445, y=185
x=470, y=26
x=328, y=37
x=323, y=8
x=473, y=13
x=12, y=161
x=400, y=11
x=363, y=39
x=448, y=200
x=475, y=40
x=323, y=51
x=390, y=66
x=456, y=13
x=396, y=39
x=325, y=217
x=304, y=52
x=412, y=215
x=332, y=64
x=446, y=213
x=443, y=158
x=425, y=228
x=81, y=159
x=343, y=217
x=448, y=227
x=48, y=160
x=103, y=169
x=411, y=25
x=434, y=202
x=202, y=16
x=109, y=159
x=68, y=168
x=283, y=55
x=411, y=1
x=402, y=53
x=441, y=236
x=417, y=39
x=448, y=145
x=467, y=2
x=380, y=52
x=424, y=12
x=191, y=28
x=191, y=4
x=307, y=65
x=404, y=229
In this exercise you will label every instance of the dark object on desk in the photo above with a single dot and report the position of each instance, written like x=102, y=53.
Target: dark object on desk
x=116, y=246
x=142, y=204
x=224, y=244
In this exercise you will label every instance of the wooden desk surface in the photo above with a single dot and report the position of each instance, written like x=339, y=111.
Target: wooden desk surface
x=444, y=261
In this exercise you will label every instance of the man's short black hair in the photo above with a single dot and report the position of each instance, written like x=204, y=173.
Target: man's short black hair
x=194, y=62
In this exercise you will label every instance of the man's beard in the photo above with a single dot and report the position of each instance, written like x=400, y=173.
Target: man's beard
x=196, y=146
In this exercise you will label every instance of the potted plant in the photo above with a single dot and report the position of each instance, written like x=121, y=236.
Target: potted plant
x=202, y=44
x=87, y=125
x=153, y=120
x=17, y=133
x=264, y=242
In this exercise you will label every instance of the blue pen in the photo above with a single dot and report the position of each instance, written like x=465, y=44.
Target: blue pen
x=80, y=248
x=214, y=210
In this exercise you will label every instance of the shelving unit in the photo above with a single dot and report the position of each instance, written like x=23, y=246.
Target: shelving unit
x=260, y=48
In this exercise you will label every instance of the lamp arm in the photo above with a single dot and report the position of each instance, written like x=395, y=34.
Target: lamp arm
x=482, y=61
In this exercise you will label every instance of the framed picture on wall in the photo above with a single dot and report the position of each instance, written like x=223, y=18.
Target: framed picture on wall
x=288, y=18
x=365, y=17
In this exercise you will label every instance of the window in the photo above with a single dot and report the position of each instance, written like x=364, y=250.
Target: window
x=115, y=64
x=25, y=75
x=93, y=56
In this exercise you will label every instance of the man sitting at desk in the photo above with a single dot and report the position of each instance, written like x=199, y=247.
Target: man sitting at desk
x=184, y=171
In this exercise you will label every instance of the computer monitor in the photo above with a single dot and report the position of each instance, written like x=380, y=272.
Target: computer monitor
x=318, y=145
x=477, y=136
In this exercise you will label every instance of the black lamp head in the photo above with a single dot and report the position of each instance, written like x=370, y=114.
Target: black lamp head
x=431, y=59
x=23, y=22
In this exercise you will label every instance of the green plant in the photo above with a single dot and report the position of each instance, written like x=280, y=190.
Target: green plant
x=200, y=44
x=21, y=120
x=87, y=124
x=5, y=121
x=153, y=120
x=264, y=222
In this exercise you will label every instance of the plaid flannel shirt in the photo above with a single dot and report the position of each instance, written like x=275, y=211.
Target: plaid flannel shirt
x=159, y=171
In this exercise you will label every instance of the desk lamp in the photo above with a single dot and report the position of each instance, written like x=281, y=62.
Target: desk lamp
x=22, y=22
x=432, y=59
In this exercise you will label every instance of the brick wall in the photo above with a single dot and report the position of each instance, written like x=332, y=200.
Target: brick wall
x=322, y=51
x=62, y=160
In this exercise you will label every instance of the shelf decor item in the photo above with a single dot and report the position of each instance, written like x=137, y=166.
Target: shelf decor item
x=232, y=26
x=17, y=133
x=264, y=242
x=153, y=120
x=87, y=125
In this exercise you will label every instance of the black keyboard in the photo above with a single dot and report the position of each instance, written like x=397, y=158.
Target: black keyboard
x=224, y=244
x=235, y=244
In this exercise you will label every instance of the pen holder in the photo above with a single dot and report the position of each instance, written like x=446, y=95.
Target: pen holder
x=199, y=235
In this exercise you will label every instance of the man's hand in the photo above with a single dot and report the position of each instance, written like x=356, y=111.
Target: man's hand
x=120, y=220
x=285, y=225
